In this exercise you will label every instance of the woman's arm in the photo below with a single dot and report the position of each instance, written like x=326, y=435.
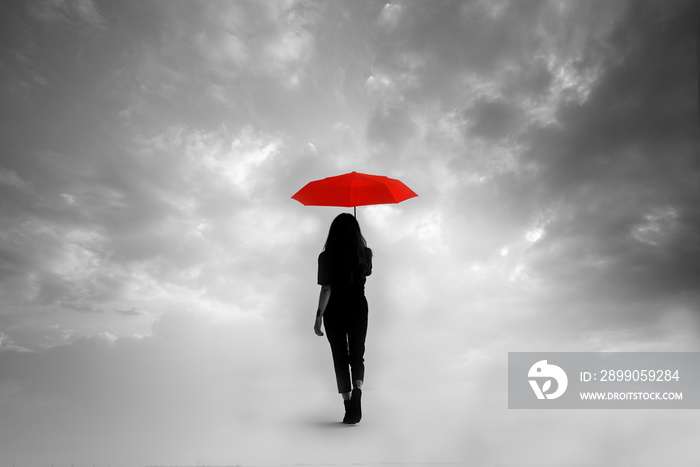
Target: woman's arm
x=323, y=298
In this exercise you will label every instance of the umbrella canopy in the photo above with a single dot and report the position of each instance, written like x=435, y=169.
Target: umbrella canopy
x=353, y=189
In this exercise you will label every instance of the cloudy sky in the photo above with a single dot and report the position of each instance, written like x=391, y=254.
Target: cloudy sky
x=158, y=284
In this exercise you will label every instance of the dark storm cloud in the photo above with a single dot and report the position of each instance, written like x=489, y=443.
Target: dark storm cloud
x=91, y=198
x=132, y=158
x=615, y=164
x=487, y=39
x=589, y=134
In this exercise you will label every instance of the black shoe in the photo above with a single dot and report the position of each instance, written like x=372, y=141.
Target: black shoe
x=350, y=412
x=355, y=401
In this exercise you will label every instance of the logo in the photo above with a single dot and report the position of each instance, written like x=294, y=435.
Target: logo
x=546, y=372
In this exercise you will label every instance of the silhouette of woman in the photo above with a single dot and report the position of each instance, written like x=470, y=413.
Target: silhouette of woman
x=343, y=267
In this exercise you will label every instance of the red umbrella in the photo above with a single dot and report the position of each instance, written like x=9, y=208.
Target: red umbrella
x=353, y=189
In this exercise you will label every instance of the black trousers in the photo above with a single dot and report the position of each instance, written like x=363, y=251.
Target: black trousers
x=345, y=322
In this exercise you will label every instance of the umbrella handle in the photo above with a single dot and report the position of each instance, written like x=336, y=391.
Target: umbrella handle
x=354, y=211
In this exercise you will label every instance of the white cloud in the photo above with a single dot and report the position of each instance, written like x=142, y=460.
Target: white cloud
x=657, y=227
x=291, y=47
x=378, y=83
x=534, y=235
x=11, y=179
x=7, y=344
x=236, y=158
x=390, y=15
x=69, y=199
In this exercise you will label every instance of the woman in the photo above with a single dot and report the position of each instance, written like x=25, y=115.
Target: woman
x=343, y=267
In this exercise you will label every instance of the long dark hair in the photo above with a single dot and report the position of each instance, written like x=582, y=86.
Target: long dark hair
x=345, y=239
